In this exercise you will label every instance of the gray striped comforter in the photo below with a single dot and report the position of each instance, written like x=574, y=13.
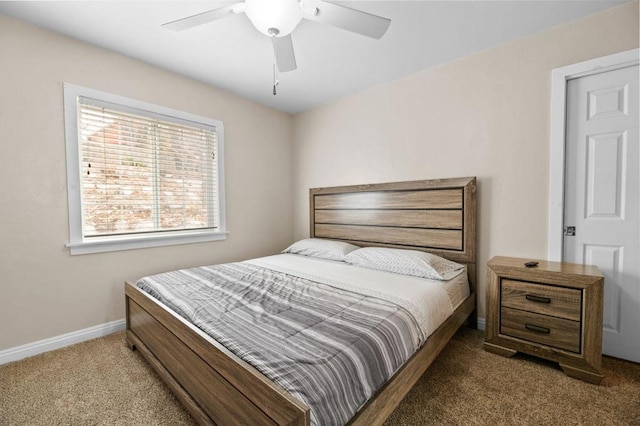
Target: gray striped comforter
x=330, y=348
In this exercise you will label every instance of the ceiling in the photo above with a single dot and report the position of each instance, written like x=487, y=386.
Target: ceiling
x=231, y=54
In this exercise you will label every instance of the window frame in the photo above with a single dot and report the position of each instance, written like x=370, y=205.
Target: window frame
x=78, y=243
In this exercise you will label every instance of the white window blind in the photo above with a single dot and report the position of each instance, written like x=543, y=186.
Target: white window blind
x=143, y=173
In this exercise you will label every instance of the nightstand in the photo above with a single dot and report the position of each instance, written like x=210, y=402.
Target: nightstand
x=552, y=310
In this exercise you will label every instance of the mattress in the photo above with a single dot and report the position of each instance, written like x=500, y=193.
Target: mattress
x=329, y=333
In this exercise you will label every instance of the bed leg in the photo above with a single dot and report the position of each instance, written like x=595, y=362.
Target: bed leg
x=472, y=320
x=129, y=343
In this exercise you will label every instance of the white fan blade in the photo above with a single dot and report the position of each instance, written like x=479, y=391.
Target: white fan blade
x=283, y=50
x=204, y=18
x=349, y=19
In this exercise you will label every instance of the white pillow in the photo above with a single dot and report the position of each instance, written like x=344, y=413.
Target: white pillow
x=321, y=248
x=406, y=262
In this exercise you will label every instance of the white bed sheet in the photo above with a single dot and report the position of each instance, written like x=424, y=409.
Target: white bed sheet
x=430, y=301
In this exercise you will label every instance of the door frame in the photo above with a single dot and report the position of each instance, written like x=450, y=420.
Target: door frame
x=559, y=79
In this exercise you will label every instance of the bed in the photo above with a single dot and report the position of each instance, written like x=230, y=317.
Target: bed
x=217, y=387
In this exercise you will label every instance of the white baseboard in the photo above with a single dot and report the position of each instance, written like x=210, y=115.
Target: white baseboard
x=57, y=342
x=482, y=324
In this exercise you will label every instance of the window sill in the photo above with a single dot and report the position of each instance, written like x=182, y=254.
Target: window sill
x=107, y=244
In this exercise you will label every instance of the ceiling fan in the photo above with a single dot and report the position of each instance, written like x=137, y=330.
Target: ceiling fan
x=278, y=18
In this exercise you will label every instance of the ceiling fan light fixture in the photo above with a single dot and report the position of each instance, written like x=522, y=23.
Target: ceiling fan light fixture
x=266, y=15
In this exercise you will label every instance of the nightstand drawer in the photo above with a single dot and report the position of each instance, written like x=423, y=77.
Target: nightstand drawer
x=542, y=299
x=557, y=332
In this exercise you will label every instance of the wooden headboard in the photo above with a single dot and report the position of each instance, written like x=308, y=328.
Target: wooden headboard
x=438, y=216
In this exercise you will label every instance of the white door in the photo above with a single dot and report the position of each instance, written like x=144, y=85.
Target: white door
x=602, y=192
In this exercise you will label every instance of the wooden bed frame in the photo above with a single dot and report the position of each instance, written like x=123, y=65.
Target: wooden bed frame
x=217, y=387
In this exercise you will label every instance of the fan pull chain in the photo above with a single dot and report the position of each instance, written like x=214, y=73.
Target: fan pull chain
x=275, y=80
x=275, y=71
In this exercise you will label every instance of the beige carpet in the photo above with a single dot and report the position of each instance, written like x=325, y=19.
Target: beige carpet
x=102, y=382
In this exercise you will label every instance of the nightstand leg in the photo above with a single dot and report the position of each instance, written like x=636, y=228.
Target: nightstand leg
x=577, y=373
x=505, y=352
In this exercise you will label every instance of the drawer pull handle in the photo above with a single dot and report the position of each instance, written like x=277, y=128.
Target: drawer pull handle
x=538, y=299
x=537, y=328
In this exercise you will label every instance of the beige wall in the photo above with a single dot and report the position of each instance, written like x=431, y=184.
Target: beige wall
x=486, y=115
x=45, y=292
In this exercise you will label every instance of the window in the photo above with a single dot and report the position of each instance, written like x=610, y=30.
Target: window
x=140, y=175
